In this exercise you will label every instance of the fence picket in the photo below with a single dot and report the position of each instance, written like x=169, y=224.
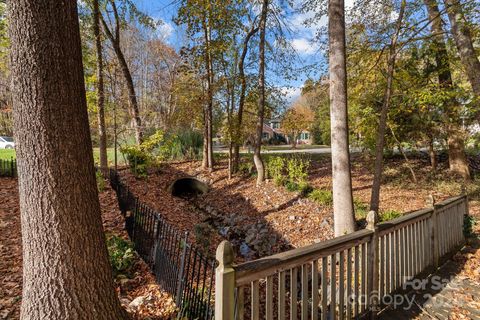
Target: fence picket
x=405, y=247
x=179, y=266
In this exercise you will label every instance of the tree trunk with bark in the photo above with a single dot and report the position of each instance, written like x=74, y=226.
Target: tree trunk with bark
x=66, y=271
x=102, y=132
x=456, y=145
x=257, y=157
x=114, y=38
x=208, y=112
x=241, y=102
x=457, y=158
x=463, y=40
x=432, y=154
x=343, y=212
x=382, y=124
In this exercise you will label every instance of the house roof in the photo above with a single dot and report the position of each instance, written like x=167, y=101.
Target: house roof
x=267, y=128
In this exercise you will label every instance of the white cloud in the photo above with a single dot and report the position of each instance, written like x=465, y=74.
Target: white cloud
x=303, y=46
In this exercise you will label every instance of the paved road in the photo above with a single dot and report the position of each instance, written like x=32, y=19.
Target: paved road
x=326, y=150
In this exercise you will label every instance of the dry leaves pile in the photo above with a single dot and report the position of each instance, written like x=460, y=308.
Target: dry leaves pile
x=10, y=250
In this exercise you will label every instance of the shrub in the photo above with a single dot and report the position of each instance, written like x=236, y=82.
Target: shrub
x=389, y=215
x=304, y=188
x=297, y=170
x=137, y=159
x=292, y=187
x=100, y=181
x=140, y=157
x=361, y=208
x=121, y=254
x=203, y=233
x=246, y=168
x=191, y=143
x=322, y=196
x=468, y=223
x=275, y=170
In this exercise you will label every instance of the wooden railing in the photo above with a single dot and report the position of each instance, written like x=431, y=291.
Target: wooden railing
x=343, y=278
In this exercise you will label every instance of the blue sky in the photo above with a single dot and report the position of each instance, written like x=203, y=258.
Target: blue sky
x=300, y=38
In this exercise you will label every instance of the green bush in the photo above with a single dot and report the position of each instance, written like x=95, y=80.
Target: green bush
x=297, y=170
x=100, y=181
x=322, y=196
x=247, y=168
x=184, y=145
x=275, y=170
x=137, y=159
x=191, y=143
x=389, y=215
x=140, y=157
x=203, y=234
x=304, y=188
x=361, y=208
x=468, y=223
x=121, y=254
x=292, y=187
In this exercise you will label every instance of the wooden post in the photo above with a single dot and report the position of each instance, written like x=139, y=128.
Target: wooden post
x=433, y=232
x=225, y=283
x=373, y=266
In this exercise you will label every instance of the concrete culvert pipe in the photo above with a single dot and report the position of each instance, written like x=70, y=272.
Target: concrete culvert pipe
x=188, y=187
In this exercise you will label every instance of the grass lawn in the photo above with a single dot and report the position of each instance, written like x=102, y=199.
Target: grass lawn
x=110, y=156
x=7, y=154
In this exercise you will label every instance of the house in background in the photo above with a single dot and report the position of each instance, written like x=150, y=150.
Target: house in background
x=273, y=129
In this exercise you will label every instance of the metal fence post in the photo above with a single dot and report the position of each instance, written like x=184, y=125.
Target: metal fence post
x=373, y=265
x=225, y=283
x=12, y=168
x=181, y=280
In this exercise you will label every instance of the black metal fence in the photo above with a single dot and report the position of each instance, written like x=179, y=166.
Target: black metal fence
x=8, y=168
x=179, y=267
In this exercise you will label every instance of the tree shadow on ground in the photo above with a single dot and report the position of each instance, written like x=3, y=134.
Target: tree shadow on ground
x=442, y=294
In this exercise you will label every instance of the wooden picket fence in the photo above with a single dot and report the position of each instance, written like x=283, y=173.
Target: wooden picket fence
x=347, y=277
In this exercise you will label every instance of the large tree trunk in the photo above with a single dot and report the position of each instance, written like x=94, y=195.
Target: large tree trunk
x=457, y=158
x=241, y=102
x=294, y=141
x=257, y=157
x=343, y=212
x=102, y=132
x=382, y=124
x=132, y=96
x=463, y=40
x=66, y=272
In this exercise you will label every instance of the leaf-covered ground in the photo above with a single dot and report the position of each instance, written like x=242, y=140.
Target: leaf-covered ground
x=151, y=302
x=292, y=220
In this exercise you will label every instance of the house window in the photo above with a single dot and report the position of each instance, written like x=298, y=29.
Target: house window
x=304, y=136
x=265, y=135
x=275, y=125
